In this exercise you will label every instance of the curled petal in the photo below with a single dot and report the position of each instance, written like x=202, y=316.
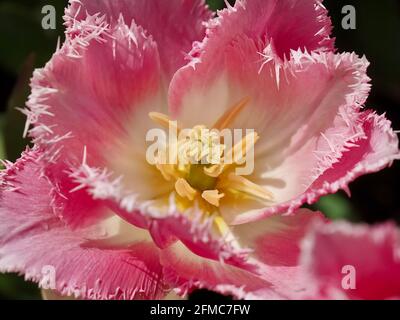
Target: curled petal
x=187, y=272
x=371, y=152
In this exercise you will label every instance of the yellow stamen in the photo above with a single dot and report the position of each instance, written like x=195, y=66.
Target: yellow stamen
x=212, y=196
x=168, y=171
x=184, y=189
x=241, y=184
x=240, y=150
x=160, y=118
x=227, y=118
x=163, y=120
x=234, y=155
x=214, y=171
x=221, y=225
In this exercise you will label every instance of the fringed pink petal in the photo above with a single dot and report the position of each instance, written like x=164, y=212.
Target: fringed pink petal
x=102, y=75
x=280, y=25
x=274, y=28
x=375, y=151
x=173, y=24
x=165, y=226
x=109, y=76
x=77, y=209
x=34, y=242
x=371, y=152
x=353, y=262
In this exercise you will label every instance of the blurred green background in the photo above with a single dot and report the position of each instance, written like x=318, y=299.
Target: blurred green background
x=25, y=46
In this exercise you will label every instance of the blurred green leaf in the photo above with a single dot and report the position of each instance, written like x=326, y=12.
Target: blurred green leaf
x=3, y=154
x=22, y=33
x=15, y=287
x=377, y=36
x=15, y=120
x=337, y=207
x=217, y=4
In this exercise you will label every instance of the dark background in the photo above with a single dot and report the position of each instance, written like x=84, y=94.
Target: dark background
x=375, y=198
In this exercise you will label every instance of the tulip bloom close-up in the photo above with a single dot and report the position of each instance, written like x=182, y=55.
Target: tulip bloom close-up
x=174, y=149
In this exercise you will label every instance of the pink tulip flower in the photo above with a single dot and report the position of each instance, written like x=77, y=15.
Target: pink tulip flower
x=87, y=202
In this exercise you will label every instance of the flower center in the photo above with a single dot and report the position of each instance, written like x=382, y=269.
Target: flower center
x=205, y=167
x=198, y=179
